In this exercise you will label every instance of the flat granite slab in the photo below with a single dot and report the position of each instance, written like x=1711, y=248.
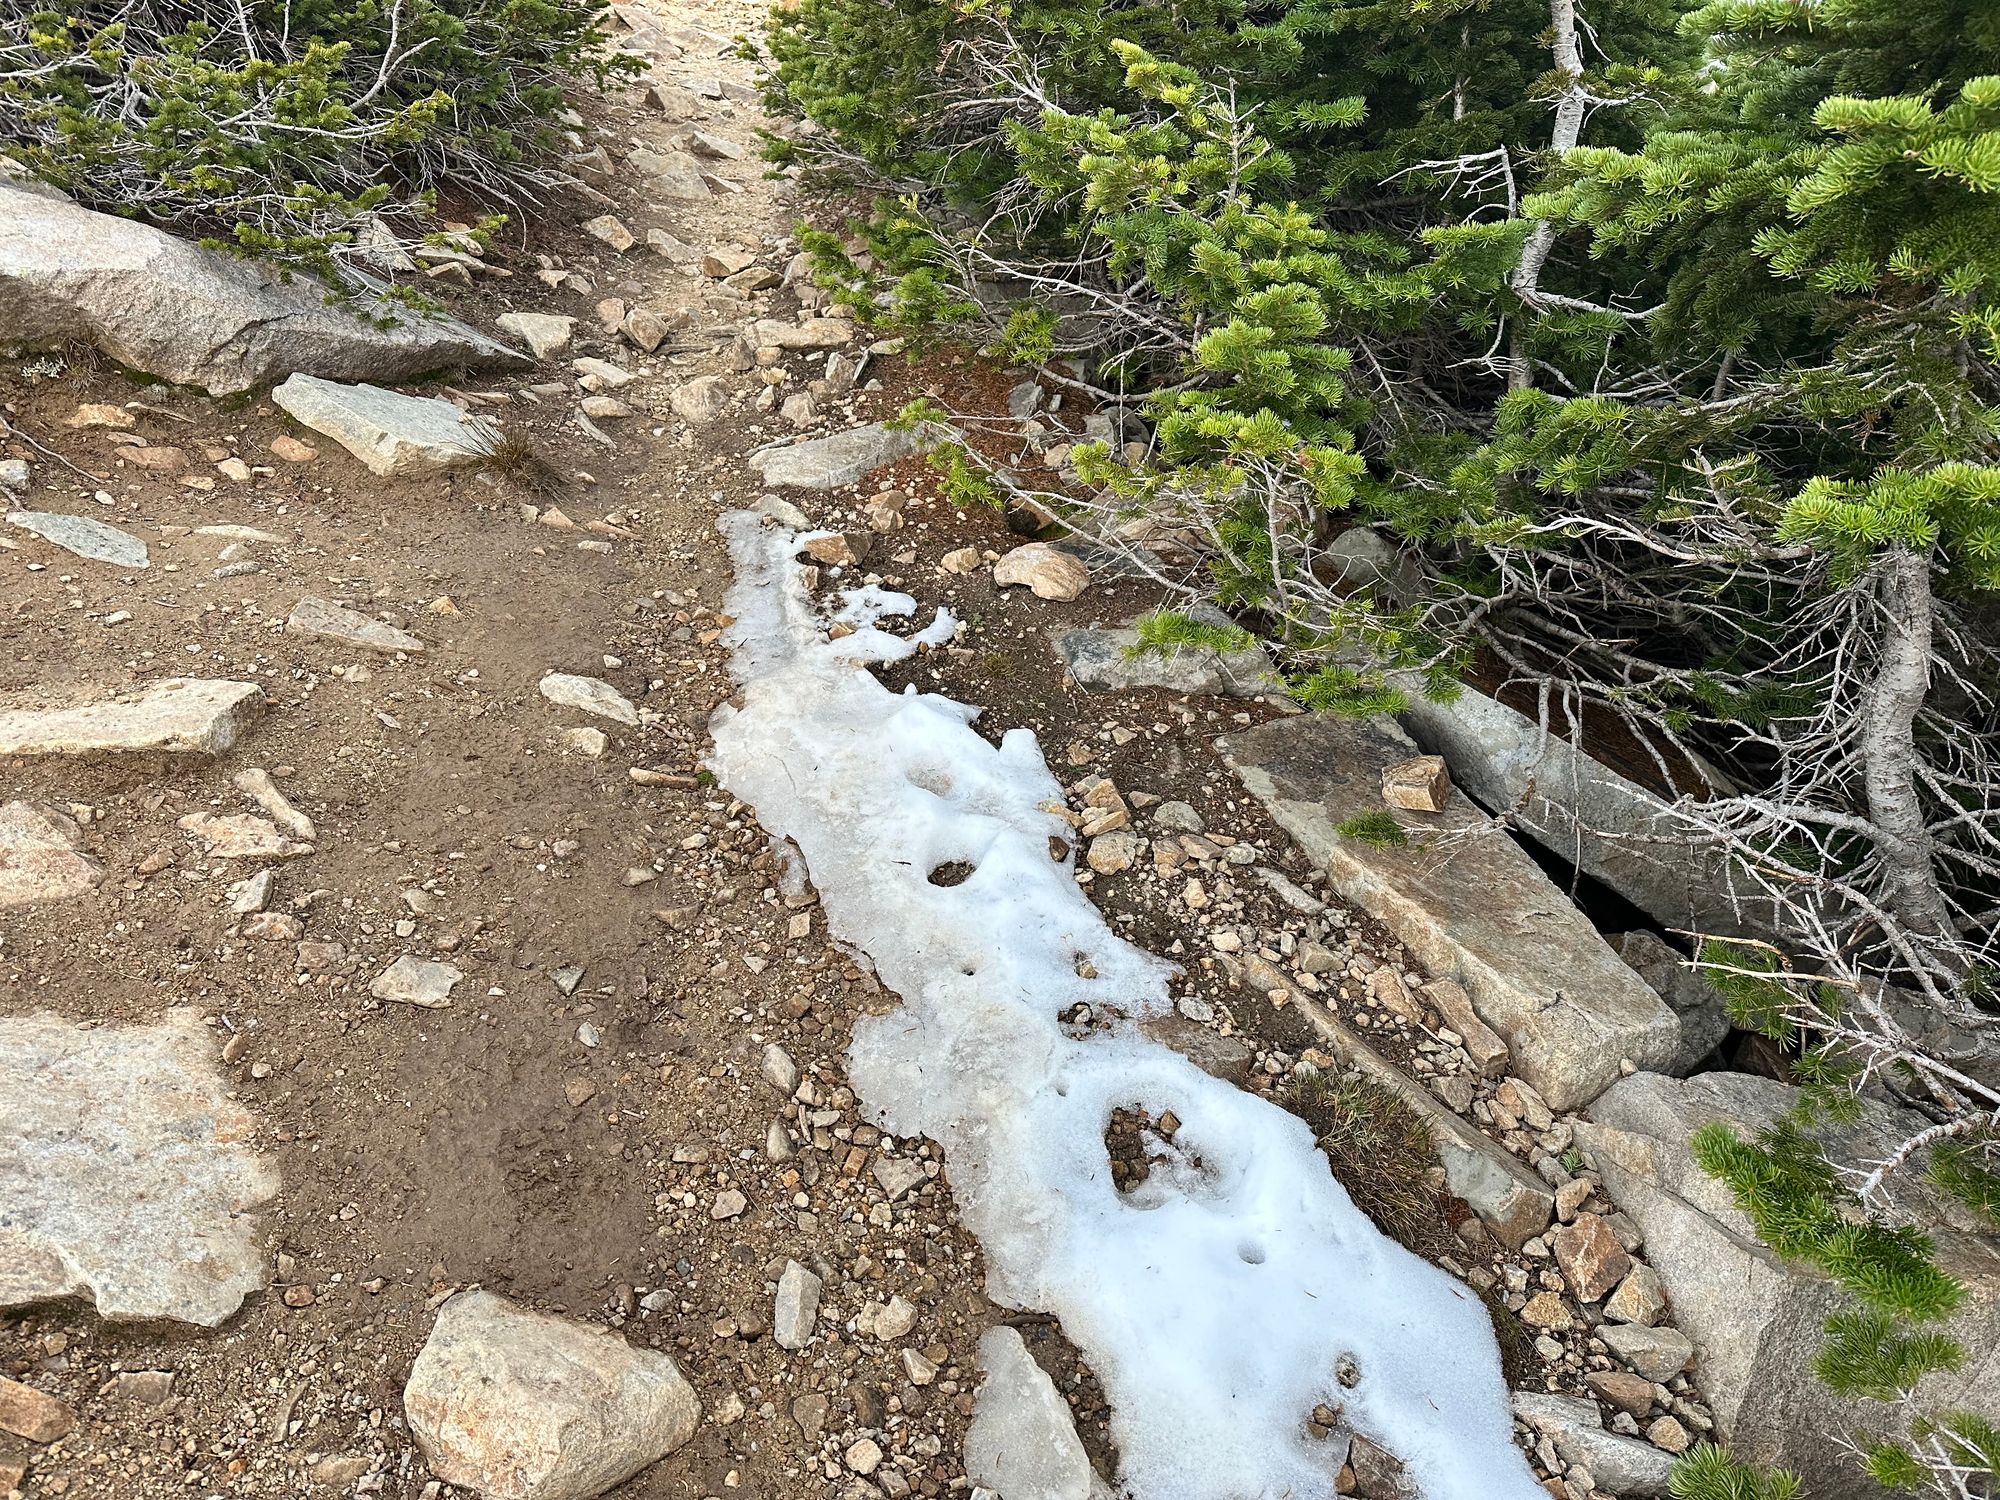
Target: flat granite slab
x=176, y=715
x=1467, y=901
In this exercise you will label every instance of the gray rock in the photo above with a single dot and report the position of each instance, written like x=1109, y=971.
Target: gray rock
x=416, y=981
x=813, y=333
x=169, y=308
x=779, y=1070
x=700, y=401
x=1580, y=808
x=126, y=1174
x=314, y=616
x=394, y=435
x=1110, y=661
x=14, y=474
x=1024, y=400
x=518, y=1405
x=1512, y=1202
x=797, y=1308
x=589, y=695
x=1177, y=817
x=1659, y=1354
x=1478, y=911
x=1621, y=1465
x=1363, y=559
x=85, y=537
x=41, y=855
x=831, y=463
x=177, y=715
x=670, y=174
x=1756, y=1321
x=897, y=1174
x=543, y=333
x=1703, y=1013
x=1022, y=1442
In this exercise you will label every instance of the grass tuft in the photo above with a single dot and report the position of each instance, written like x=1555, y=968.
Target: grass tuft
x=511, y=455
x=1381, y=1150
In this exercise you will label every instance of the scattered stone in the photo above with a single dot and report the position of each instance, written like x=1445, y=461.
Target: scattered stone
x=897, y=1175
x=1659, y=1354
x=831, y=463
x=147, y=1387
x=1641, y=1298
x=1547, y=1310
x=1590, y=1256
x=1623, y=1466
x=588, y=695
x=396, y=436
x=1419, y=785
x=610, y=230
x=960, y=560
x=864, y=1456
x=249, y=896
x=416, y=981
x=729, y=1204
x=243, y=836
x=887, y=1321
x=837, y=549
x=274, y=927
x=14, y=475
x=128, y=1177
x=1048, y=572
x=543, y=333
x=102, y=414
x=671, y=174
x=701, y=401
x=585, y=741
x=797, y=1308
x=1022, y=1441
x=41, y=855
x=518, y=1405
x=32, y=1414
x=200, y=317
x=315, y=616
x=256, y=784
x=779, y=1070
x=601, y=374
x=291, y=450
x=812, y=333
x=1114, y=852
x=1668, y=1434
x=1629, y=1393
x=86, y=538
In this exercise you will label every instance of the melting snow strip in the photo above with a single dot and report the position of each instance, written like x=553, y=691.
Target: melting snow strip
x=1215, y=1300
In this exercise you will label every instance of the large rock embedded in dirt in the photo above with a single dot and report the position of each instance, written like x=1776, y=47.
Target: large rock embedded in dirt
x=519, y=1405
x=174, y=716
x=41, y=855
x=126, y=1174
x=1467, y=901
x=85, y=537
x=1581, y=809
x=1109, y=660
x=1756, y=1320
x=831, y=463
x=172, y=309
x=396, y=436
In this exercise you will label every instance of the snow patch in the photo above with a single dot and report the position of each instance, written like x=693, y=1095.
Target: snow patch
x=1213, y=1302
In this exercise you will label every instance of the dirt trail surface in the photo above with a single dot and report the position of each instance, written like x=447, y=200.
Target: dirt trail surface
x=594, y=1123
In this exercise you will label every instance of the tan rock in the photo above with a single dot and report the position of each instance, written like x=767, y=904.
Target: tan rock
x=1641, y=1298
x=292, y=451
x=1482, y=1044
x=610, y=230
x=839, y=548
x=1419, y=785
x=41, y=855
x=177, y=715
x=32, y=1414
x=1548, y=1310
x=1590, y=1256
x=243, y=836
x=518, y=1405
x=961, y=560
x=102, y=414
x=1048, y=572
x=1619, y=1388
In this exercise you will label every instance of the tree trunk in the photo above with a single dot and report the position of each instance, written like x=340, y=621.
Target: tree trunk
x=1527, y=278
x=1889, y=709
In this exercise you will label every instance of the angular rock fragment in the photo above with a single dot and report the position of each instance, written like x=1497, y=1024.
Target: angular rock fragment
x=543, y=333
x=416, y=981
x=591, y=695
x=519, y=1405
x=336, y=622
x=243, y=836
x=1420, y=784
x=700, y=401
x=177, y=715
x=1620, y=1465
x=1048, y=572
x=396, y=436
x=86, y=537
x=126, y=1173
x=831, y=463
x=1112, y=661
x=201, y=317
x=797, y=1307
x=41, y=855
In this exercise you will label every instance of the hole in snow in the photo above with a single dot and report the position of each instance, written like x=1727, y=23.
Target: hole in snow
x=932, y=780
x=951, y=872
x=1137, y=1141
x=1250, y=1253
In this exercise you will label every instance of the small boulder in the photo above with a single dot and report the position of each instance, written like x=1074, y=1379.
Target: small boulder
x=589, y=695
x=543, y=333
x=41, y=855
x=1421, y=784
x=416, y=981
x=85, y=537
x=518, y=1405
x=700, y=401
x=315, y=616
x=1048, y=572
x=396, y=436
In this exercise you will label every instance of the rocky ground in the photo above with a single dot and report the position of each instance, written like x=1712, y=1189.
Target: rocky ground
x=512, y=998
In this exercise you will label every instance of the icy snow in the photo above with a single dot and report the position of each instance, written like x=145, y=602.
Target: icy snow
x=1214, y=1301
